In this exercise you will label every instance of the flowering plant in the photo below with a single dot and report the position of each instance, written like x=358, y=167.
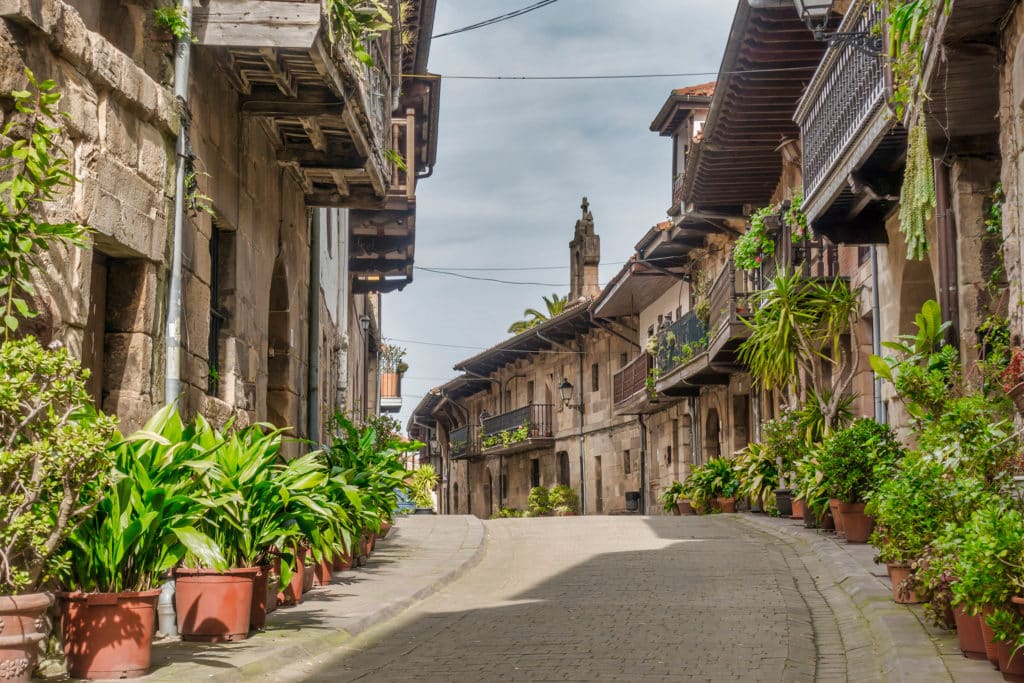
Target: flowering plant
x=754, y=246
x=1014, y=372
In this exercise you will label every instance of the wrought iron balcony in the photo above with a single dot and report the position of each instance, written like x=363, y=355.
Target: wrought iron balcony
x=464, y=441
x=518, y=428
x=842, y=115
x=681, y=340
x=632, y=379
x=677, y=192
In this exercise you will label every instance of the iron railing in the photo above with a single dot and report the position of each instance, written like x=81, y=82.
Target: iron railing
x=681, y=340
x=379, y=82
x=677, y=190
x=631, y=379
x=846, y=91
x=536, y=418
x=464, y=441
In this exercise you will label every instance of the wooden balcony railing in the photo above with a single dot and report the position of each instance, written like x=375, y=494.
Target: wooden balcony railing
x=536, y=418
x=847, y=91
x=464, y=441
x=403, y=141
x=677, y=190
x=729, y=296
x=680, y=340
x=379, y=85
x=631, y=379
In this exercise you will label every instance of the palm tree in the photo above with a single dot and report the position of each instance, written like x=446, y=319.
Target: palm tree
x=555, y=305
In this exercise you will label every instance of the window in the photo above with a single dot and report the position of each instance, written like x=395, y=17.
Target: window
x=563, y=468
x=595, y=377
x=534, y=473
x=221, y=291
x=529, y=393
x=508, y=400
x=627, y=463
x=668, y=455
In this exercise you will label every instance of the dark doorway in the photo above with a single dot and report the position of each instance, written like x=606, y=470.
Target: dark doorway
x=712, y=446
x=563, y=468
x=598, y=485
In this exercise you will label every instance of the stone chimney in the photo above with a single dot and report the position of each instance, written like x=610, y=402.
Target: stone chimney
x=585, y=255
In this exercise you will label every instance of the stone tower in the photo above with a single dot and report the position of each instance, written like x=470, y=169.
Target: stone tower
x=585, y=254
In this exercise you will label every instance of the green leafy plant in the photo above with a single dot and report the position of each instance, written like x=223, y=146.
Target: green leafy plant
x=754, y=246
x=757, y=471
x=360, y=22
x=856, y=459
x=424, y=480
x=564, y=500
x=671, y=495
x=391, y=357
x=148, y=517
x=796, y=219
x=53, y=459
x=907, y=508
x=172, y=19
x=554, y=306
x=990, y=564
x=33, y=171
x=507, y=513
x=810, y=483
x=714, y=479
x=917, y=196
x=539, y=501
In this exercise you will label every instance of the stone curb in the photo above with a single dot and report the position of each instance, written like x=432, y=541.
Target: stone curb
x=905, y=651
x=273, y=658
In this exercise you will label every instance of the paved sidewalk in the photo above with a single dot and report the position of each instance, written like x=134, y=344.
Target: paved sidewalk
x=422, y=554
x=880, y=638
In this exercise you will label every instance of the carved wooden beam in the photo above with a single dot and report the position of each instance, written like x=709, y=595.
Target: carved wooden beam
x=279, y=72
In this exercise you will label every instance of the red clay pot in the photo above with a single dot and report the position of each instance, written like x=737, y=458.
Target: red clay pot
x=108, y=635
x=798, y=509
x=968, y=632
x=323, y=572
x=1018, y=602
x=372, y=542
x=856, y=524
x=1011, y=663
x=23, y=627
x=308, y=574
x=385, y=529
x=684, y=507
x=292, y=593
x=258, y=610
x=342, y=561
x=837, y=517
x=898, y=573
x=991, y=646
x=727, y=504
x=214, y=606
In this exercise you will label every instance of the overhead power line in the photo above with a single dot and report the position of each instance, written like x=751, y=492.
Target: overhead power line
x=493, y=279
x=599, y=77
x=527, y=268
x=474, y=348
x=498, y=19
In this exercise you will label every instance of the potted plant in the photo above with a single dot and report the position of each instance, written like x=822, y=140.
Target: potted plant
x=538, y=502
x=424, y=479
x=54, y=465
x=564, y=501
x=671, y=498
x=852, y=461
x=723, y=483
x=757, y=474
x=140, y=529
x=1008, y=632
x=785, y=442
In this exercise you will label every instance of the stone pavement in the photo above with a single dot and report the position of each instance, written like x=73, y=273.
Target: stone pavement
x=420, y=555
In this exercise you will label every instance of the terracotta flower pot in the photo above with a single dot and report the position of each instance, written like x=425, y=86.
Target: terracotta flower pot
x=826, y=520
x=258, y=610
x=991, y=645
x=856, y=524
x=684, y=507
x=273, y=578
x=214, y=606
x=837, y=517
x=371, y=544
x=798, y=510
x=727, y=504
x=342, y=561
x=108, y=635
x=898, y=573
x=292, y=593
x=1011, y=663
x=968, y=632
x=323, y=572
x=385, y=529
x=1018, y=602
x=23, y=627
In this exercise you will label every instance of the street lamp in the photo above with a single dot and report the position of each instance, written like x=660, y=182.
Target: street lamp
x=566, y=389
x=364, y=322
x=816, y=15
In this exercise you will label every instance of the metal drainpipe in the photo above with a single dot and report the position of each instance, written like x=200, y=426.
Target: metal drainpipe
x=695, y=430
x=643, y=464
x=313, y=388
x=876, y=335
x=946, y=226
x=172, y=329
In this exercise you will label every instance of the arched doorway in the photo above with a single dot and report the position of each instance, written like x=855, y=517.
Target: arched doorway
x=712, y=431
x=281, y=403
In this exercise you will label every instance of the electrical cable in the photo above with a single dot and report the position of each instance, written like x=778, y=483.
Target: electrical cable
x=496, y=20
x=599, y=77
x=474, y=348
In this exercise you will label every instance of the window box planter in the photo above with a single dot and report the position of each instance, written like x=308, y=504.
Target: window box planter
x=108, y=635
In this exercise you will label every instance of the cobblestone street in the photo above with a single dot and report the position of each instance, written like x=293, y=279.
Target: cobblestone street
x=624, y=598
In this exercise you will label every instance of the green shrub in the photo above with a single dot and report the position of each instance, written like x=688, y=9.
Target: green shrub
x=990, y=562
x=507, y=513
x=756, y=471
x=54, y=463
x=855, y=459
x=907, y=508
x=424, y=479
x=564, y=500
x=539, y=501
x=670, y=496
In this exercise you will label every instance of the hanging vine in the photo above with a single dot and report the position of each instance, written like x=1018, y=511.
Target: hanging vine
x=754, y=246
x=917, y=198
x=796, y=219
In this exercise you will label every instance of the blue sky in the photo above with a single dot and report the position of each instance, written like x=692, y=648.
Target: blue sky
x=515, y=157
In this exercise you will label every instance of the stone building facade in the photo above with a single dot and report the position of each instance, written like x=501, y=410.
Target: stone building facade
x=270, y=277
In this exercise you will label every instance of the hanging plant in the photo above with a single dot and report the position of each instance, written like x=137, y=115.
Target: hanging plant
x=360, y=23
x=796, y=219
x=917, y=198
x=754, y=246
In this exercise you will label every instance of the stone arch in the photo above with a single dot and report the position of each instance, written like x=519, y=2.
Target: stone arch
x=281, y=396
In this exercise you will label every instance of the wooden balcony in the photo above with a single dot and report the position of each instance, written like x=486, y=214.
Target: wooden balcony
x=329, y=114
x=523, y=429
x=464, y=442
x=851, y=141
x=677, y=195
x=631, y=393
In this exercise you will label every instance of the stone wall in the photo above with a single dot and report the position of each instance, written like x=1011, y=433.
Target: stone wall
x=1011, y=141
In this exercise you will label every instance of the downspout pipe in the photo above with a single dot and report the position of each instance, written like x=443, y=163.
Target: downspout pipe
x=876, y=335
x=580, y=353
x=643, y=464
x=946, y=226
x=313, y=367
x=175, y=315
